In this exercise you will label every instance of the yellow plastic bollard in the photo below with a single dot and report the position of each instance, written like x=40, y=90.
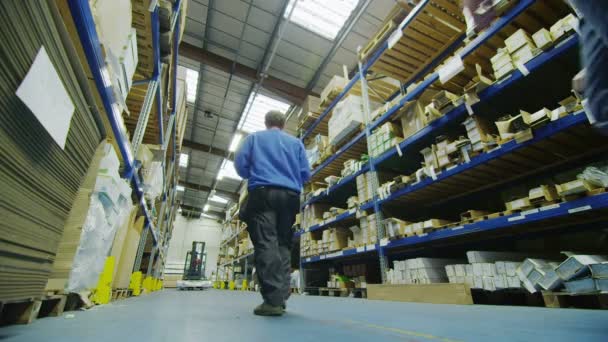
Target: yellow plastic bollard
x=231, y=285
x=135, y=283
x=244, y=286
x=103, y=291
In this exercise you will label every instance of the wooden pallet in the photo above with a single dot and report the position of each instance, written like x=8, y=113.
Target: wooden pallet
x=25, y=311
x=583, y=301
x=121, y=293
x=333, y=292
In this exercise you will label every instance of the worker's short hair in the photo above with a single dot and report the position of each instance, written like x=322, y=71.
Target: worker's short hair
x=274, y=118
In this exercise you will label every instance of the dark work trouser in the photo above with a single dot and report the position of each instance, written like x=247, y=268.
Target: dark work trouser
x=594, y=38
x=270, y=214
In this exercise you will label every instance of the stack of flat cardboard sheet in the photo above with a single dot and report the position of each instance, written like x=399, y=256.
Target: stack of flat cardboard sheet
x=49, y=131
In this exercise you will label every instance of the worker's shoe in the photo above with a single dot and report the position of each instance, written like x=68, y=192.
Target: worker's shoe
x=268, y=310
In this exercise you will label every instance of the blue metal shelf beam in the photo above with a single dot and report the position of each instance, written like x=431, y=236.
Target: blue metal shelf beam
x=552, y=211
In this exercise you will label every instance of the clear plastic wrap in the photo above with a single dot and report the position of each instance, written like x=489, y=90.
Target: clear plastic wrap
x=153, y=180
x=596, y=175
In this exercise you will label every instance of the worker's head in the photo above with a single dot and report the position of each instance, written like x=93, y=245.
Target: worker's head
x=274, y=118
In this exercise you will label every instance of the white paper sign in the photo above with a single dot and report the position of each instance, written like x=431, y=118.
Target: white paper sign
x=452, y=68
x=44, y=94
x=394, y=38
x=360, y=249
x=579, y=209
x=370, y=247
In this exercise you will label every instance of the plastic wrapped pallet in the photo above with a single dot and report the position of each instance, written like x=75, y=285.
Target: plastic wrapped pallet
x=48, y=136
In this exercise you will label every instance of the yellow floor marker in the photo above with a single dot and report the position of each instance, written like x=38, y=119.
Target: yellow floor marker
x=103, y=291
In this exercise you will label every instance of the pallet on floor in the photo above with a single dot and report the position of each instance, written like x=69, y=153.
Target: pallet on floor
x=121, y=293
x=343, y=292
x=597, y=300
x=25, y=311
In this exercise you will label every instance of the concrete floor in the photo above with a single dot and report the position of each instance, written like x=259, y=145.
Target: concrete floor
x=213, y=315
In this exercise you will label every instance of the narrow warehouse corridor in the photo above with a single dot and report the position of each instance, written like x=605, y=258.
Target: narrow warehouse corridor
x=213, y=315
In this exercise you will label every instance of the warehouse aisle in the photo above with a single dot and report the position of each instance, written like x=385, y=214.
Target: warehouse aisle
x=226, y=316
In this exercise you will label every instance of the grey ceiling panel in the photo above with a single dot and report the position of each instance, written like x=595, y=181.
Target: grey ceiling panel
x=195, y=27
x=227, y=24
x=296, y=70
x=196, y=11
x=287, y=77
x=272, y=6
x=299, y=55
x=306, y=39
x=262, y=20
x=235, y=9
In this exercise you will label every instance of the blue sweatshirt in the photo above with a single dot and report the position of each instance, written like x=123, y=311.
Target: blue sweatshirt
x=272, y=158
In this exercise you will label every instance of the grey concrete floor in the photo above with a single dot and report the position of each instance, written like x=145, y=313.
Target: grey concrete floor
x=214, y=315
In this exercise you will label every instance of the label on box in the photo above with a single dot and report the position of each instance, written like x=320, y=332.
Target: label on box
x=458, y=228
x=383, y=242
x=549, y=207
x=469, y=108
x=360, y=249
x=516, y=218
x=370, y=247
x=452, y=68
x=579, y=209
x=321, y=257
x=307, y=259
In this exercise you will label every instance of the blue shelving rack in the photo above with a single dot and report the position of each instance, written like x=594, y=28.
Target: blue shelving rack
x=576, y=208
x=83, y=19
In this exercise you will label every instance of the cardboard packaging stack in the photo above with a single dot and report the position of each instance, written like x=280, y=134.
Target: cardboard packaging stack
x=578, y=274
x=316, y=150
x=394, y=227
x=313, y=214
x=332, y=89
x=564, y=26
x=310, y=109
x=385, y=137
x=479, y=132
x=351, y=166
x=365, y=190
x=420, y=271
x=423, y=227
x=411, y=116
x=347, y=118
x=369, y=229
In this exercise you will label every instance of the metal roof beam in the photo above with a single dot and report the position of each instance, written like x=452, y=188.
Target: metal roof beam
x=208, y=149
x=226, y=194
x=286, y=90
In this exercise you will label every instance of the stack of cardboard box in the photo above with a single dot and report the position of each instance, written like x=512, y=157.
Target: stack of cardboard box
x=385, y=137
x=365, y=190
x=420, y=271
x=479, y=132
x=313, y=214
x=346, y=118
x=369, y=229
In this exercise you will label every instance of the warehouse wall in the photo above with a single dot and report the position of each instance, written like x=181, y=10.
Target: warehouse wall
x=187, y=230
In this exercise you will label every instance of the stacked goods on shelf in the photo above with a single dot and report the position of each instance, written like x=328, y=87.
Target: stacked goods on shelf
x=333, y=89
x=394, y=227
x=92, y=225
x=313, y=214
x=563, y=27
x=479, y=132
x=419, y=271
x=318, y=150
x=479, y=14
x=113, y=22
x=244, y=245
x=310, y=110
x=351, y=166
x=357, y=273
x=49, y=135
x=365, y=189
x=369, y=230
x=383, y=138
x=181, y=103
x=346, y=118
x=411, y=116
x=578, y=274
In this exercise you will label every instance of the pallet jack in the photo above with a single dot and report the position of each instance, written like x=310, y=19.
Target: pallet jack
x=194, y=269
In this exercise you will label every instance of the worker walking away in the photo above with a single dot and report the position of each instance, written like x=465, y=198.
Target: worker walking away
x=275, y=165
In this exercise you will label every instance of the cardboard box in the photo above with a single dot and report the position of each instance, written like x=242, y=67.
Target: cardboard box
x=543, y=193
x=411, y=117
x=578, y=265
x=491, y=256
x=504, y=70
x=333, y=88
x=525, y=54
x=518, y=204
x=517, y=40
x=574, y=187
x=500, y=59
x=542, y=39
x=563, y=26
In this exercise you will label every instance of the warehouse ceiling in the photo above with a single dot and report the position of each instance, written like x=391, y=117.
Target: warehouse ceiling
x=225, y=47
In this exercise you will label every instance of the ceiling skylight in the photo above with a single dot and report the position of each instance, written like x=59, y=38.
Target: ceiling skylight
x=228, y=171
x=180, y=188
x=218, y=199
x=236, y=139
x=252, y=119
x=320, y=16
x=192, y=82
x=183, y=160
